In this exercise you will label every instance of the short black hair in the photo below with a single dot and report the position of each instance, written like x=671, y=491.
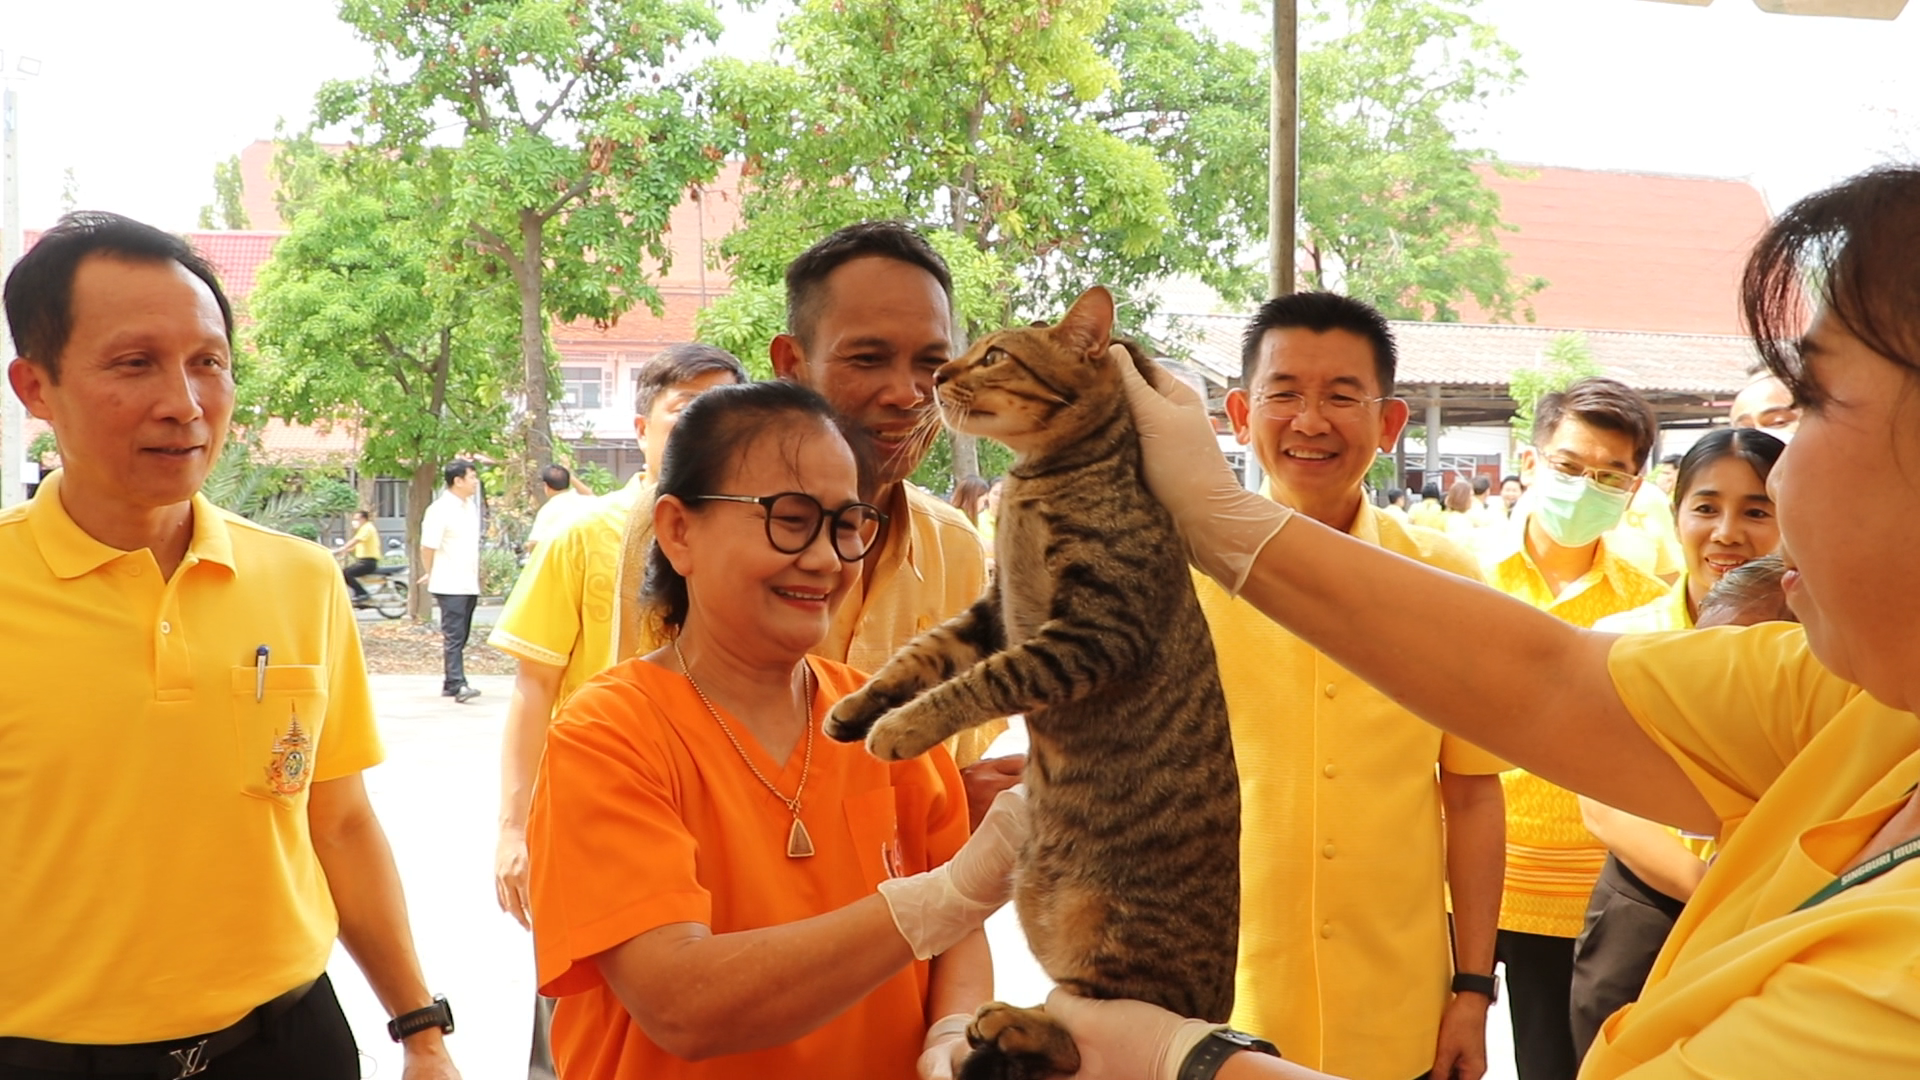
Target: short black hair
x=807, y=274
x=1321, y=312
x=1394, y=495
x=1671, y=459
x=1607, y=404
x=556, y=477
x=1430, y=490
x=678, y=364
x=39, y=291
x=456, y=469
x=1848, y=250
x=1505, y=480
x=1482, y=485
x=712, y=435
x=363, y=515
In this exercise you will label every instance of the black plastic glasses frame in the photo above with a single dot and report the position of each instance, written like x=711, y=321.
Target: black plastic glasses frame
x=820, y=515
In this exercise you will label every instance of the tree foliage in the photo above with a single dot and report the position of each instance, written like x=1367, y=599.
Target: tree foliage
x=564, y=143
x=226, y=210
x=1391, y=207
x=370, y=314
x=1569, y=359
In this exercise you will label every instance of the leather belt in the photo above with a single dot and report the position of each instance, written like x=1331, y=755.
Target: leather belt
x=171, y=1059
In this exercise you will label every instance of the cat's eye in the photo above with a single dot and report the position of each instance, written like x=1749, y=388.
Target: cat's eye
x=993, y=357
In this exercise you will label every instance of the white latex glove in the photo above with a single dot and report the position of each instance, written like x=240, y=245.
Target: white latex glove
x=936, y=909
x=946, y=1048
x=1126, y=1040
x=1225, y=525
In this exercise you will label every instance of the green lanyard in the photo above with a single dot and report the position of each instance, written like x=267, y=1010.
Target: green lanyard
x=1866, y=871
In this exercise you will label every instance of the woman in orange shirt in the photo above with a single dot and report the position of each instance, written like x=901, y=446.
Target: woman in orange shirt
x=718, y=890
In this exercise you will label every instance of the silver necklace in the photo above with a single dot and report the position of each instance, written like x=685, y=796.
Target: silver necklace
x=799, y=843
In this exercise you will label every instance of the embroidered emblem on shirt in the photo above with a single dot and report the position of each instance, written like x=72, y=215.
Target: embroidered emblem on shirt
x=292, y=761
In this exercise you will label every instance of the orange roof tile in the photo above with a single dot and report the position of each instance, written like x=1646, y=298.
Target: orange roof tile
x=1627, y=251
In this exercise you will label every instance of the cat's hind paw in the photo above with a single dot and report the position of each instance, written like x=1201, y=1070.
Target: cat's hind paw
x=1017, y=1044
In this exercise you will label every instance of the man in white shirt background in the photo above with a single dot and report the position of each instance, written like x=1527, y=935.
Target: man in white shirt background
x=450, y=569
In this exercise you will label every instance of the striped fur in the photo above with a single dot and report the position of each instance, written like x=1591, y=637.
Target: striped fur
x=1129, y=884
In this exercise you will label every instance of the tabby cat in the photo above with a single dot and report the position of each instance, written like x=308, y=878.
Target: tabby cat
x=1129, y=883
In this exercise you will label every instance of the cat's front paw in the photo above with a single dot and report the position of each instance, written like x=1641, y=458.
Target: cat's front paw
x=906, y=732
x=852, y=716
x=1017, y=1044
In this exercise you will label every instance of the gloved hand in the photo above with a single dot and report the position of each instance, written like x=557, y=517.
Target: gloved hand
x=1225, y=525
x=1126, y=1040
x=936, y=909
x=946, y=1048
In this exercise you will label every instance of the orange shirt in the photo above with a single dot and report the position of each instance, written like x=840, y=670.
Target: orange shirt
x=644, y=815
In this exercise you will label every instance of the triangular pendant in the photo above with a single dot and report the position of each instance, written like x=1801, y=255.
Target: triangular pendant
x=799, y=844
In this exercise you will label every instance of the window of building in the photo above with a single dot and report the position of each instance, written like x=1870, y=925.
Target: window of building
x=580, y=387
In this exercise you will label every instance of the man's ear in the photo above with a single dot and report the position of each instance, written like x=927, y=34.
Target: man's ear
x=1240, y=415
x=788, y=357
x=1529, y=466
x=1394, y=414
x=671, y=525
x=640, y=427
x=30, y=382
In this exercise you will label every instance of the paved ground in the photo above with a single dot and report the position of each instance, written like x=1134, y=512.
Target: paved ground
x=437, y=795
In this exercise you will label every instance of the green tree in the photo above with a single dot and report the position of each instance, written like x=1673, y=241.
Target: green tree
x=226, y=210
x=1569, y=359
x=568, y=148
x=1391, y=208
x=369, y=314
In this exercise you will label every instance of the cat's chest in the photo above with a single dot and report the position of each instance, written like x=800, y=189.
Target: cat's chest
x=1026, y=585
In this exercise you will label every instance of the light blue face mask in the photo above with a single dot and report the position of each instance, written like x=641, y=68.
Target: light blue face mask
x=1574, y=510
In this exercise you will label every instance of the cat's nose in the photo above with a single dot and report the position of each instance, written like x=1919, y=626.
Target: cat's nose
x=943, y=374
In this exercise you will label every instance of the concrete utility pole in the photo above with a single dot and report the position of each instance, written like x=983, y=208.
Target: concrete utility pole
x=1283, y=140
x=13, y=415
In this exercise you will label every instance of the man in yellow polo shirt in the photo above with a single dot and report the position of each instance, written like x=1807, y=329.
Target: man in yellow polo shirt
x=1590, y=444
x=184, y=825
x=1356, y=816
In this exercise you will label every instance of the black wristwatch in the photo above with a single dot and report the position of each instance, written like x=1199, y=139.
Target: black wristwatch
x=437, y=1015
x=1484, y=985
x=1204, y=1062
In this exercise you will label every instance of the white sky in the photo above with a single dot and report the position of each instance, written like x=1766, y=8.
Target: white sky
x=141, y=97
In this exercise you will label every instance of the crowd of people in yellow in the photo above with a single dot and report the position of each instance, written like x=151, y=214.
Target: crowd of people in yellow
x=1454, y=755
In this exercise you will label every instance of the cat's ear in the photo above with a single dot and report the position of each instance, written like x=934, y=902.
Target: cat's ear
x=1089, y=323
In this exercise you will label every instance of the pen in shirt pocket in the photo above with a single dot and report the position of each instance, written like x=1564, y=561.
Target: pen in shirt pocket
x=260, y=673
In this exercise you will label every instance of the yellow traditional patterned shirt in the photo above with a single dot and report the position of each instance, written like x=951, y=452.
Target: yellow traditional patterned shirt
x=562, y=608
x=1552, y=860
x=1344, y=954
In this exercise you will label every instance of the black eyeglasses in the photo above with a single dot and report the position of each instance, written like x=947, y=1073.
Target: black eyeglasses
x=794, y=519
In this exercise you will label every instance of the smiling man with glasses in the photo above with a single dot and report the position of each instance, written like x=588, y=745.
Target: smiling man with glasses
x=1590, y=445
x=1344, y=958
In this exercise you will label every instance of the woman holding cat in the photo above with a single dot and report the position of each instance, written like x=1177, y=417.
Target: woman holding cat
x=718, y=891
x=1798, y=746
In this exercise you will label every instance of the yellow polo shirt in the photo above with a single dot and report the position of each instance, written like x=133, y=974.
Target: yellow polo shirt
x=1802, y=769
x=1646, y=535
x=1344, y=954
x=563, y=608
x=1552, y=860
x=157, y=879
x=366, y=542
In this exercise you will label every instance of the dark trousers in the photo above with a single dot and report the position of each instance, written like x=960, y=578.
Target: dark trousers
x=456, y=624
x=353, y=571
x=1627, y=922
x=310, y=1041
x=1539, y=978
x=540, y=1057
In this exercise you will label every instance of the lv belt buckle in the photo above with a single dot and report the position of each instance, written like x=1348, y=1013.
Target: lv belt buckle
x=193, y=1060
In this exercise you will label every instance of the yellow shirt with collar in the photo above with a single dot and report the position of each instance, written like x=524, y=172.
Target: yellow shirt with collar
x=1646, y=535
x=1344, y=954
x=1802, y=769
x=1552, y=860
x=563, y=608
x=158, y=879
x=366, y=542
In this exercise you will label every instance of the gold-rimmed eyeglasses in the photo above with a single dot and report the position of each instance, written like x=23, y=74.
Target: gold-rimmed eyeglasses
x=1606, y=479
x=794, y=519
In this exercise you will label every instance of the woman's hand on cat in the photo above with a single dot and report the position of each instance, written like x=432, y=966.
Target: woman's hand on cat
x=1225, y=525
x=1126, y=1040
x=946, y=1047
x=934, y=910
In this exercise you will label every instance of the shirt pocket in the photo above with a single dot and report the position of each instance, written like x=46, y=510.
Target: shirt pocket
x=874, y=823
x=276, y=728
